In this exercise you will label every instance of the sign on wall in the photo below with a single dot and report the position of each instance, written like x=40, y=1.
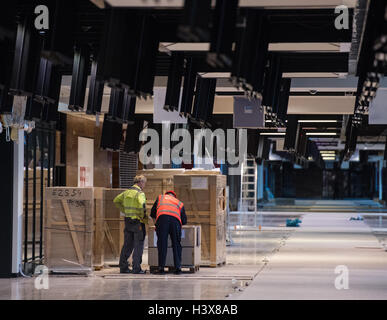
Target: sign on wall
x=85, y=162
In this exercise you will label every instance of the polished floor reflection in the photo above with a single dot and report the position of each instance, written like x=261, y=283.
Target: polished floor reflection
x=274, y=263
x=245, y=258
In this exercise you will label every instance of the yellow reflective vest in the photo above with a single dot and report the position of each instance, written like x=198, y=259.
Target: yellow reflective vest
x=132, y=202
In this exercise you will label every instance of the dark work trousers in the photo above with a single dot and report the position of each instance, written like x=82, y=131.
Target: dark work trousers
x=134, y=235
x=168, y=225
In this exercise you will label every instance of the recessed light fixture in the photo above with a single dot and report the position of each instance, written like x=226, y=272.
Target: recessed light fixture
x=272, y=133
x=318, y=121
x=321, y=134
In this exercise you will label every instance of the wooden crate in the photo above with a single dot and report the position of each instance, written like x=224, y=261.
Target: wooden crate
x=158, y=182
x=68, y=226
x=204, y=198
x=161, y=180
x=109, y=227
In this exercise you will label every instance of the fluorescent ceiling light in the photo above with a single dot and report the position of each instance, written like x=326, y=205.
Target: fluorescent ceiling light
x=327, y=151
x=318, y=121
x=272, y=133
x=321, y=134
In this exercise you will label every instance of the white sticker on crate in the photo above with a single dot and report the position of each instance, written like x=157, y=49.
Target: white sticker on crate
x=199, y=183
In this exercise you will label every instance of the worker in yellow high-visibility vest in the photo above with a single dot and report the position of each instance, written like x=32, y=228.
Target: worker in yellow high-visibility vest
x=132, y=203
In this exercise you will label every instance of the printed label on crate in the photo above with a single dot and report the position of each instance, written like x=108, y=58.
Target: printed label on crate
x=199, y=183
x=68, y=193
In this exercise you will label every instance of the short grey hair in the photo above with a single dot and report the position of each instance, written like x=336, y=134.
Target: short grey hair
x=139, y=178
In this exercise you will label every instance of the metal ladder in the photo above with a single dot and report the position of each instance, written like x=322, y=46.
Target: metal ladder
x=248, y=195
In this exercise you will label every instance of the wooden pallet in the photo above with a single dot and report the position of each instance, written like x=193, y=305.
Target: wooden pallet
x=189, y=269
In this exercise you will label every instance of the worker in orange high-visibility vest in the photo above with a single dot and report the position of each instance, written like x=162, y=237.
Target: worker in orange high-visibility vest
x=169, y=215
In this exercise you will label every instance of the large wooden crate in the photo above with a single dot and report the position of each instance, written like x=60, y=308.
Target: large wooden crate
x=109, y=227
x=158, y=182
x=204, y=198
x=161, y=180
x=69, y=224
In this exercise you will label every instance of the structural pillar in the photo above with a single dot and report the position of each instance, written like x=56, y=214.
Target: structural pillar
x=11, y=190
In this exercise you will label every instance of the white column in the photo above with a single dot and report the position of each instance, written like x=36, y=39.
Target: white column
x=18, y=183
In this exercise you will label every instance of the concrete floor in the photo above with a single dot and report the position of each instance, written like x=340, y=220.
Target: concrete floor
x=245, y=259
x=305, y=267
x=275, y=263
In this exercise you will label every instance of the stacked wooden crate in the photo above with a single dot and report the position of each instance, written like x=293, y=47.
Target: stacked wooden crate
x=158, y=182
x=69, y=224
x=83, y=228
x=204, y=198
x=109, y=227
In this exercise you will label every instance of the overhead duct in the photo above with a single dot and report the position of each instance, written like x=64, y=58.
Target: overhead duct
x=272, y=87
x=43, y=105
x=116, y=104
x=302, y=145
x=251, y=53
x=222, y=33
x=111, y=135
x=59, y=38
x=96, y=87
x=132, y=142
x=129, y=107
x=292, y=129
x=263, y=149
x=351, y=140
x=252, y=142
x=188, y=87
x=26, y=59
x=79, y=78
x=6, y=56
x=283, y=100
x=204, y=100
x=144, y=62
x=128, y=51
x=175, y=75
x=196, y=19
x=372, y=62
x=114, y=54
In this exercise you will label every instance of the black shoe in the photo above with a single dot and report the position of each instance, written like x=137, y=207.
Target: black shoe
x=177, y=271
x=161, y=271
x=139, y=272
x=125, y=270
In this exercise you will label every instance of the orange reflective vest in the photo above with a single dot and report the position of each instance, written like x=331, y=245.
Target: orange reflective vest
x=169, y=205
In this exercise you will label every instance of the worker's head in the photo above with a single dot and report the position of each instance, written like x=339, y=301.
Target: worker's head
x=171, y=193
x=140, y=181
